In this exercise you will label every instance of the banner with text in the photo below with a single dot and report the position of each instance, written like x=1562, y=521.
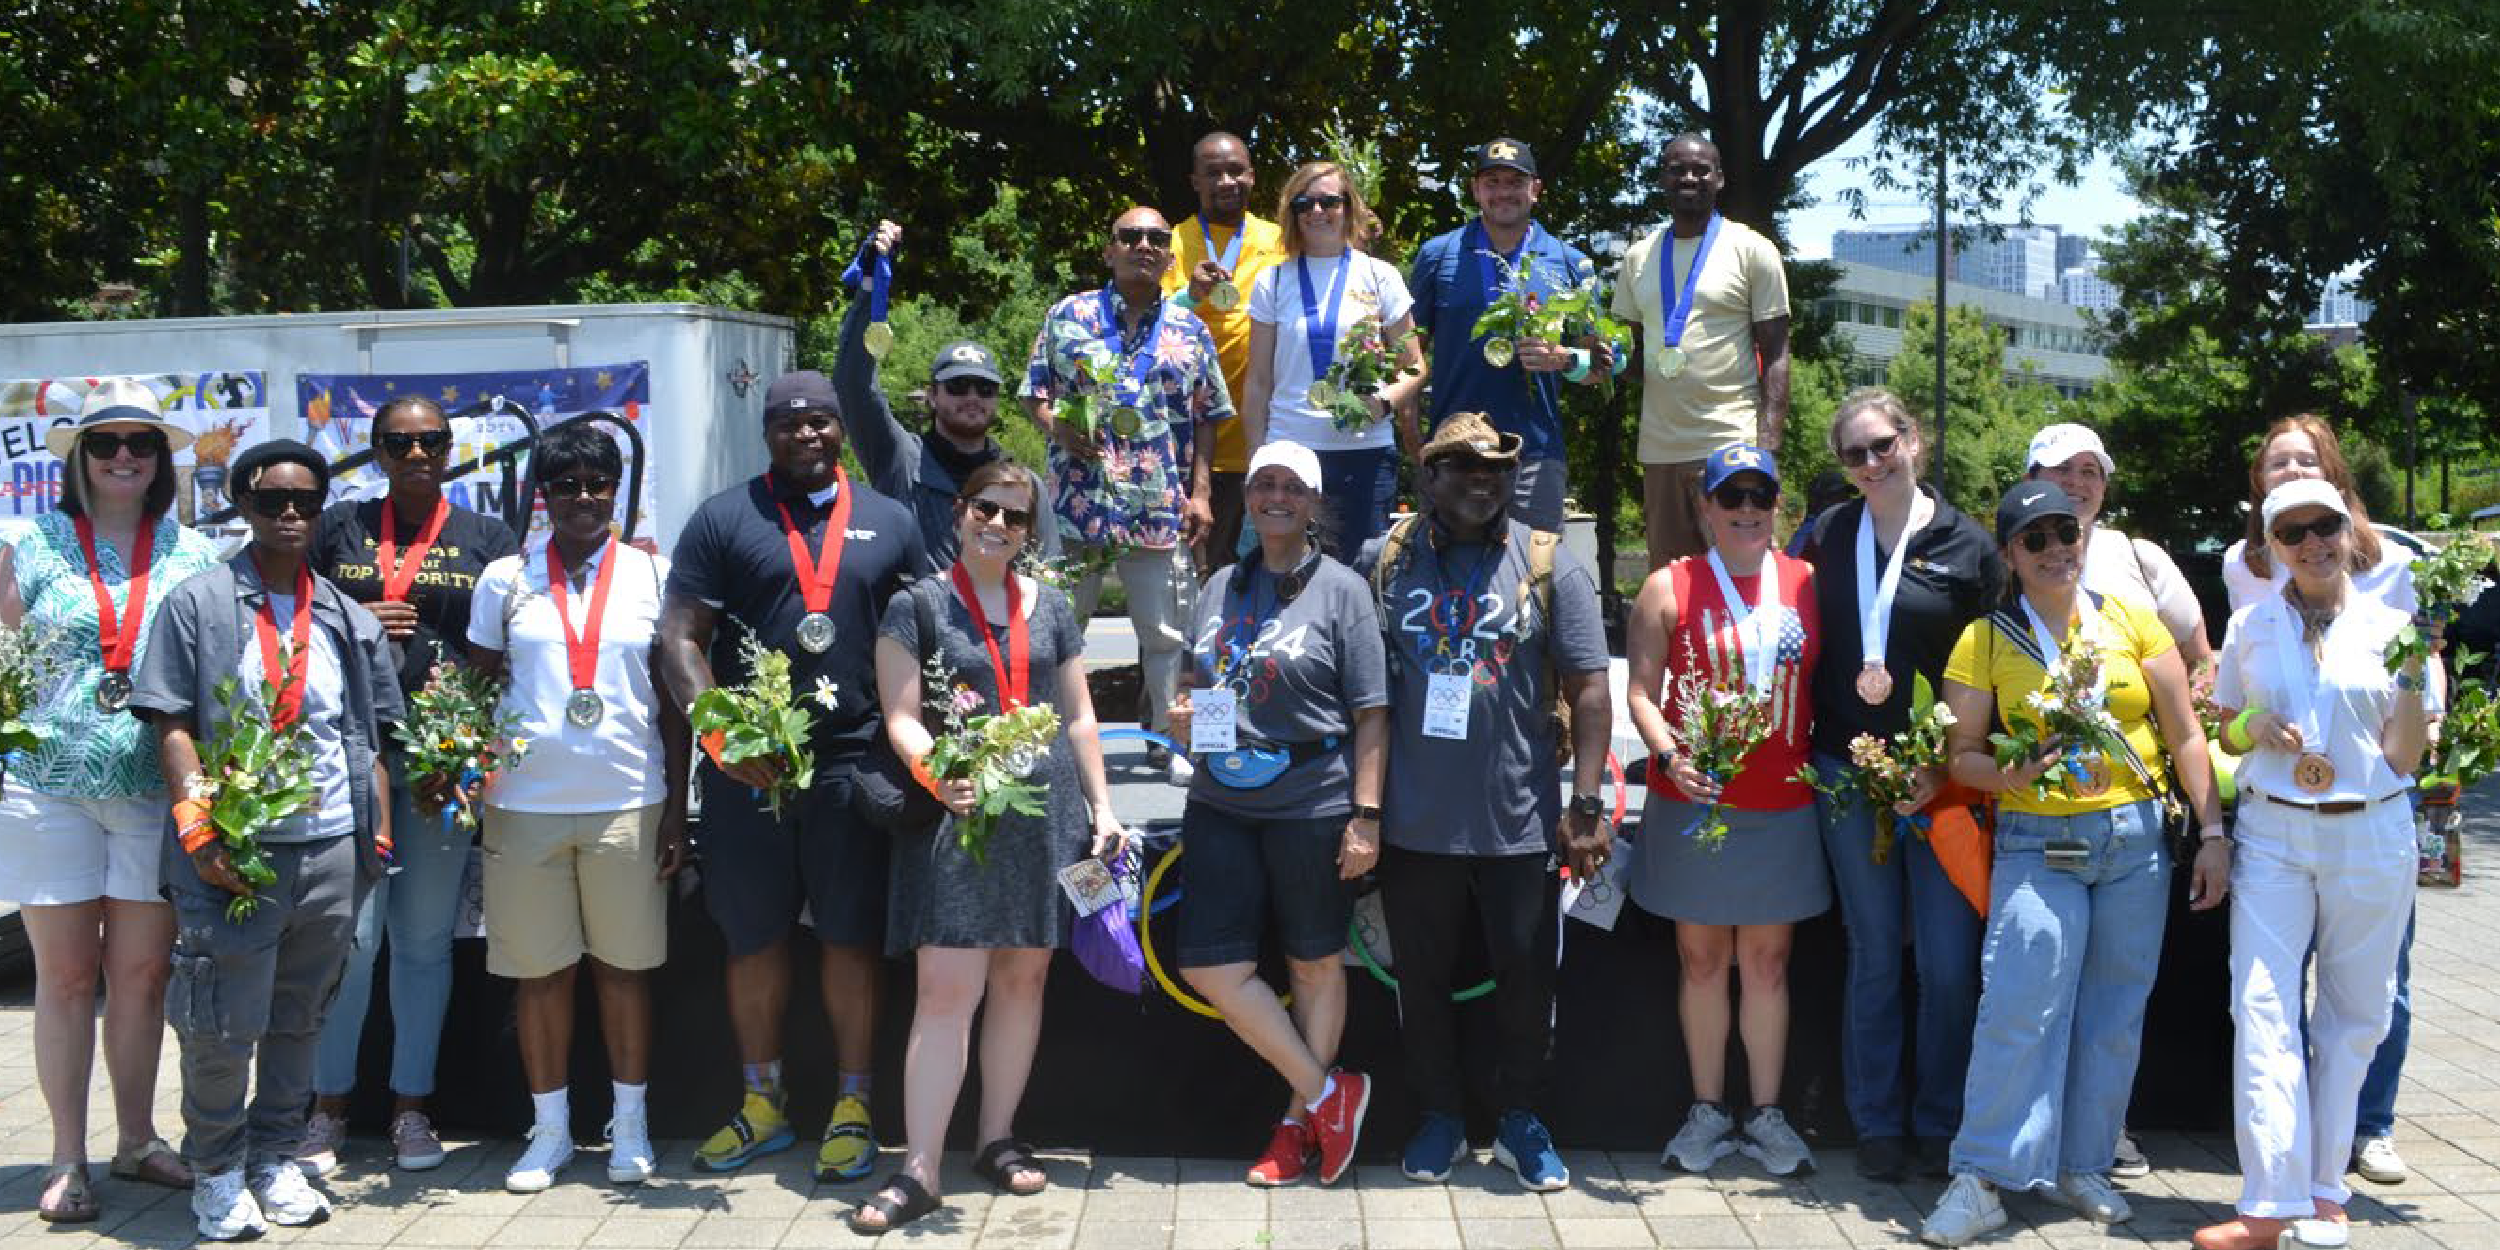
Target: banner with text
x=225, y=412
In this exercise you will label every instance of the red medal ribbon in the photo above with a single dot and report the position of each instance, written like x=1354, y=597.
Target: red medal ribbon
x=299, y=637
x=1015, y=671
x=816, y=576
x=118, y=634
x=581, y=651
x=399, y=575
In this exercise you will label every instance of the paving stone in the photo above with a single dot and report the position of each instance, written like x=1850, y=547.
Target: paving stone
x=1577, y=1233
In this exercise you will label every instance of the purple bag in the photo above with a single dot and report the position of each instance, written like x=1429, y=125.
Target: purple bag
x=1106, y=942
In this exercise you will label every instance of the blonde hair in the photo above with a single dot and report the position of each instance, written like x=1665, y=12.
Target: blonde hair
x=1360, y=225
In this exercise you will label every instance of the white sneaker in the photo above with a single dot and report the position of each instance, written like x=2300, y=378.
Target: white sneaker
x=1708, y=1136
x=550, y=1148
x=2375, y=1158
x=2127, y=1162
x=1969, y=1208
x=629, y=1148
x=225, y=1207
x=2091, y=1196
x=285, y=1196
x=1769, y=1141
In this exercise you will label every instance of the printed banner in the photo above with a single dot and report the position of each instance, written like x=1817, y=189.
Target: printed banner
x=338, y=418
x=224, y=411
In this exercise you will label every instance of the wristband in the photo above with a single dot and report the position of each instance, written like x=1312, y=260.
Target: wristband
x=713, y=743
x=1579, y=370
x=2235, y=733
x=929, y=782
x=2213, y=833
x=191, y=825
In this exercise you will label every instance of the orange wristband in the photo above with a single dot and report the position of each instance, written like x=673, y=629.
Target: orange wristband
x=191, y=824
x=713, y=743
x=920, y=772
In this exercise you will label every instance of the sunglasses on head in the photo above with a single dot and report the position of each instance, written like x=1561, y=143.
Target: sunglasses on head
x=435, y=442
x=1131, y=236
x=960, y=387
x=1304, y=203
x=2065, y=531
x=2296, y=533
x=1880, y=449
x=1734, y=495
x=578, y=485
x=106, y=444
x=991, y=510
x=273, y=502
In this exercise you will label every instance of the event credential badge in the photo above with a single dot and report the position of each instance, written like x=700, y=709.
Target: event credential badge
x=1213, y=721
x=1447, y=699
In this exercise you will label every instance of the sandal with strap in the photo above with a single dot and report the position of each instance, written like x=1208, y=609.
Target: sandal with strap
x=77, y=1204
x=152, y=1162
x=892, y=1215
x=999, y=1162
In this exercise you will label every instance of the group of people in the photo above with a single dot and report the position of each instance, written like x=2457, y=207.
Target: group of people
x=1318, y=689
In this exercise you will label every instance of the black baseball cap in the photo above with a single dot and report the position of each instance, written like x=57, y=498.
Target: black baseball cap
x=964, y=358
x=1506, y=154
x=2027, y=502
x=803, y=391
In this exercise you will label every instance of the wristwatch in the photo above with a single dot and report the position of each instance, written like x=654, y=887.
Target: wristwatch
x=1586, y=805
x=1367, y=811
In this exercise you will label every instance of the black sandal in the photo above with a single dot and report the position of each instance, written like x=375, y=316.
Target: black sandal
x=916, y=1203
x=999, y=1161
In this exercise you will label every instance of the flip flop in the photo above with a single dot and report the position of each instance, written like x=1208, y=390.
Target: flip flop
x=999, y=1162
x=77, y=1204
x=152, y=1162
x=916, y=1203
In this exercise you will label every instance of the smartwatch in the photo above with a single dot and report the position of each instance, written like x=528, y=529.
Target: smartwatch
x=1367, y=811
x=1586, y=805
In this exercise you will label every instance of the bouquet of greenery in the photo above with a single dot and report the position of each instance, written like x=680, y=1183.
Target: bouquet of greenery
x=1366, y=360
x=2070, y=712
x=253, y=776
x=1717, y=724
x=2444, y=582
x=762, y=720
x=2466, y=746
x=453, y=738
x=996, y=752
x=1082, y=356
x=1565, y=318
x=1885, y=770
x=28, y=664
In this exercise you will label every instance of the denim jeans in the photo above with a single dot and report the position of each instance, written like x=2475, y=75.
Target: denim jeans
x=2387, y=1067
x=416, y=908
x=2065, y=968
x=1358, y=488
x=1908, y=896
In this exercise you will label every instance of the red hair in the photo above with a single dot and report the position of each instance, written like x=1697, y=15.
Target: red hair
x=2338, y=473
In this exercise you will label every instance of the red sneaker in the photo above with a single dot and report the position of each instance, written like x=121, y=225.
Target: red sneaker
x=1288, y=1153
x=1338, y=1124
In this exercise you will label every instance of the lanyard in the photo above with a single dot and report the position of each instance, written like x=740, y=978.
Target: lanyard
x=879, y=270
x=1679, y=306
x=1490, y=276
x=1757, y=624
x=299, y=650
x=581, y=652
x=1319, y=321
x=1015, y=680
x=1246, y=628
x=1138, y=360
x=119, y=635
x=1876, y=594
x=816, y=576
x=1474, y=587
x=2047, y=642
x=1232, y=251
x=399, y=575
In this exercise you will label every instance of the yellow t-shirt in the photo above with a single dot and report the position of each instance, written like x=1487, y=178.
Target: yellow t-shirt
x=1985, y=659
x=1263, y=245
x=1714, y=402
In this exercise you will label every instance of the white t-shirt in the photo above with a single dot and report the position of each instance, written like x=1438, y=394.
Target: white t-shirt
x=612, y=765
x=2138, y=571
x=1373, y=287
x=324, y=708
x=2358, y=696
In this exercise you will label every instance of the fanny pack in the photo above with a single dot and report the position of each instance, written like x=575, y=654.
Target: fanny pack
x=1253, y=767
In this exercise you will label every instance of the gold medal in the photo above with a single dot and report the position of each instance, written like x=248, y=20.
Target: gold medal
x=2314, y=773
x=1225, y=297
x=1874, y=683
x=879, y=339
x=1670, y=361
x=1499, y=353
x=1323, y=394
x=2095, y=779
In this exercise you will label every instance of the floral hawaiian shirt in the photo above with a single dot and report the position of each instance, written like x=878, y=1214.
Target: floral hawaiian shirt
x=1145, y=394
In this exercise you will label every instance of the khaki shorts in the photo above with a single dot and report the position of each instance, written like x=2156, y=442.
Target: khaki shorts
x=559, y=886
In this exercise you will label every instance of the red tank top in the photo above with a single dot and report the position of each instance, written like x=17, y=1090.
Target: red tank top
x=1705, y=636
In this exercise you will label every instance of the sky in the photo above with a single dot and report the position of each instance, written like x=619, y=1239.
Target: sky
x=2099, y=203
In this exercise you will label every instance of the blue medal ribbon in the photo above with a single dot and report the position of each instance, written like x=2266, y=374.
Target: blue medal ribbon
x=1320, y=322
x=1232, y=251
x=1245, y=633
x=1138, y=361
x=1441, y=635
x=1477, y=241
x=1679, y=306
x=880, y=270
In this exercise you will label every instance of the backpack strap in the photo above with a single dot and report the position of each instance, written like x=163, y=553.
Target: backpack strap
x=1393, y=545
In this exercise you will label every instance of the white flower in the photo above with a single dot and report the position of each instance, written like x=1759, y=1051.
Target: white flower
x=1945, y=717
x=827, y=695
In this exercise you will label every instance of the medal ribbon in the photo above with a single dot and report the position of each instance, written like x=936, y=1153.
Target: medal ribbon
x=879, y=268
x=1876, y=594
x=1137, y=361
x=2304, y=699
x=1232, y=251
x=1757, y=624
x=1245, y=632
x=1491, y=276
x=1320, y=323
x=1015, y=679
x=1464, y=621
x=119, y=635
x=299, y=639
x=581, y=651
x=399, y=575
x=816, y=576
x=1679, y=306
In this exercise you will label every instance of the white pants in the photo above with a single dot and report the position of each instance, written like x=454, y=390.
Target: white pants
x=2337, y=888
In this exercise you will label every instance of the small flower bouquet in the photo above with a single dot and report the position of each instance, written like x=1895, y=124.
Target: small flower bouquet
x=1717, y=724
x=1885, y=770
x=2444, y=582
x=996, y=752
x=2466, y=745
x=2071, y=712
x=762, y=719
x=29, y=663
x=1366, y=360
x=1563, y=318
x=253, y=776
x=453, y=737
x=1081, y=356
x=2201, y=696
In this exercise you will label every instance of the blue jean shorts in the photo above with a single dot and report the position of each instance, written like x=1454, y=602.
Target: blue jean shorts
x=1237, y=871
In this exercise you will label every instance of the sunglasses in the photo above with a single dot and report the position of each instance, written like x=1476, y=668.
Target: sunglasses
x=990, y=510
x=1734, y=495
x=273, y=502
x=1304, y=203
x=1131, y=236
x=1880, y=449
x=434, y=442
x=960, y=387
x=2295, y=534
x=578, y=486
x=106, y=444
x=2066, y=533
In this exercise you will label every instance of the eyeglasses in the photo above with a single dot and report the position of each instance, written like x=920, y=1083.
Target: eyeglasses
x=1131, y=236
x=1735, y=495
x=960, y=387
x=2066, y=533
x=987, y=510
x=577, y=486
x=272, y=502
x=106, y=444
x=1880, y=449
x=2296, y=533
x=435, y=442
x=1301, y=204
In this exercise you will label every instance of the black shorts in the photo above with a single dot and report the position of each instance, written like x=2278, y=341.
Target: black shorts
x=757, y=870
x=1236, y=871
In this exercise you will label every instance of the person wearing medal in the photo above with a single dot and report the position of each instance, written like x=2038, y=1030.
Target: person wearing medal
x=799, y=560
x=1300, y=309
x=1129, y=464
x=1217, y=255
x=2079, y=886
x=82, y=813
x=584, y=831
x=981, y=926
x=2324, y=870
x=1710, y=298
x=1291, y=716
x=248, y=993
x=1899, y=572
x=412, y=558
x=1454, y=279
x=1743, y=611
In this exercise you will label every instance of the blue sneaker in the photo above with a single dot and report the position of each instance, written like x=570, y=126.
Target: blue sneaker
x=1523, y=1146
x=1436, y=1147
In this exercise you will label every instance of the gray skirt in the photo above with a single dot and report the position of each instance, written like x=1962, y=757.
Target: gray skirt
x=1769, y=871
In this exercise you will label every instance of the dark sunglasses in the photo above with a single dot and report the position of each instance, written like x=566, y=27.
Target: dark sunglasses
x=1880, y=449
x=2293, y=535
x=960, y=387
x=576, y=486
x=1131, y=236
x=106, y=444
x=1734, y=495
x=272, y=502
x=991, y=510
x=435, y=442
x=1304, y=203
x=2067, y=532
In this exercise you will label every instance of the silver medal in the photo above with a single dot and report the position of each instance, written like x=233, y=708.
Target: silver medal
x=584, y=708
x=816, y=632
x=113, y=692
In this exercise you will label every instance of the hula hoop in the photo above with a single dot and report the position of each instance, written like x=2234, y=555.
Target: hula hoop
x=1363, y=951
x=1142, y=735
x=1146, y=909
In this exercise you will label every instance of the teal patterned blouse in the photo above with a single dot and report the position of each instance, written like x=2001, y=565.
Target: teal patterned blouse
x=90, y=753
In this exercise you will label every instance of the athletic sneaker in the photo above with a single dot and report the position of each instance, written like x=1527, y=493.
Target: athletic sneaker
x=225, y=1207
x=550, y=1148
x=2128, y=1161
x=849, y=1151
x=2375, y=1158
x=414, y=1142
x=758, y=1129
x=324, y=1133
x=1708, y=1136
x=1884, y=1159
x=1437, y=1146
x=1288, y=1153
x=1769, y=1141
x=1521, y=1144
x=1969, y=1208
x=1337, y=1123
x=285, y=1197
x=630, y=1157
x=2091, y=1196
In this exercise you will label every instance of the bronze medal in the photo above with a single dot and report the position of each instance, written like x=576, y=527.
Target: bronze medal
x=2314, y=773
x=1874, y=683
x=879, y=339
x=2095, y=780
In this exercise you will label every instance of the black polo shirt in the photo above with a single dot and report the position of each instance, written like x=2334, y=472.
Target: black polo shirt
x=1953, y=576
x=347, y=549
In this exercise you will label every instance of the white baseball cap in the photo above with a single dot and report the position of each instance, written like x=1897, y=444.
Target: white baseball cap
x=2056, y=444
x=2308, y=492
x=1293, y=457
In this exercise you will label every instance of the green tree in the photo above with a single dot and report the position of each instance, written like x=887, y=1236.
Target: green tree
x=1988, y=422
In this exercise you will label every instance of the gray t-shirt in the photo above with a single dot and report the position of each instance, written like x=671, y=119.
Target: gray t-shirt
x=325, y=703
x=1455, y=608
x=1298, y=672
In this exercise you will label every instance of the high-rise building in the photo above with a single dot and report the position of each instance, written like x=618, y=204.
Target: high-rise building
x=1905, y=249
x=2084, y=287
x=2074, y=251
x=2339, y=306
